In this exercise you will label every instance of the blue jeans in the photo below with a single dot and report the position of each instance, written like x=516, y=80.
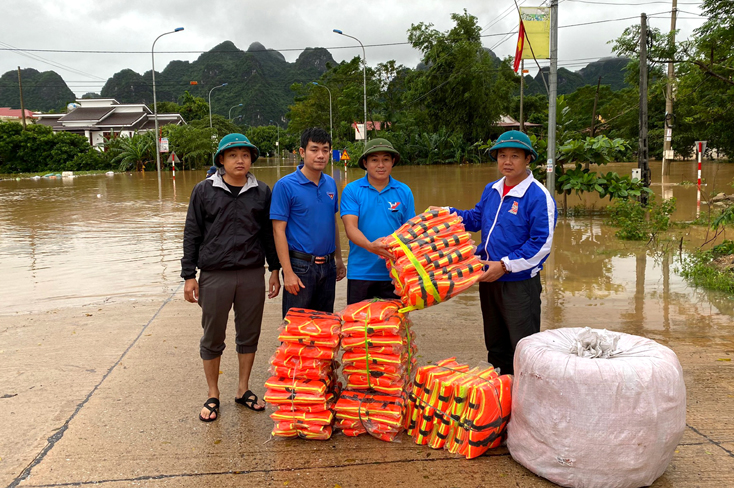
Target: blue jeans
x=320, y=283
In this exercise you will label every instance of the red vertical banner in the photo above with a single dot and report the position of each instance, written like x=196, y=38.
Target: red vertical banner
x=520, y=46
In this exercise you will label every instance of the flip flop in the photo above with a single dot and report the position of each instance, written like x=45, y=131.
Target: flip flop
x=249, y=400
x=214, y=409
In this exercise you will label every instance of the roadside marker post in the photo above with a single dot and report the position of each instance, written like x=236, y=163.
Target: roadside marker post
x=345, y=158
x=173, y=159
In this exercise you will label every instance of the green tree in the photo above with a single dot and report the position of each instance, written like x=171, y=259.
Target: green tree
x=38, y=148
x=346, y=82
x=264, y=137
x=192, y=144
x=167, y=108
x=193, y=108
x=463, y=88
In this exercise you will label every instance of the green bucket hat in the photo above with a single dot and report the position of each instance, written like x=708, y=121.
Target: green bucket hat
x=513, y=138
x=378, y=145
x=235, y=140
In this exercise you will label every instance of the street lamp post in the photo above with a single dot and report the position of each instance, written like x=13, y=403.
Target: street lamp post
x=155, y=111
x=230, y=110
x=330, y=120
x=364, y=75
x=210, y=102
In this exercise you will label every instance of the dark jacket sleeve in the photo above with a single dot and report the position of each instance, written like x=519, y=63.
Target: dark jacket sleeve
x=266, y=235
x=193, y=235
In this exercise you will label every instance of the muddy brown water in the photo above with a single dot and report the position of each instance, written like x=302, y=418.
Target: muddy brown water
x=73, y=241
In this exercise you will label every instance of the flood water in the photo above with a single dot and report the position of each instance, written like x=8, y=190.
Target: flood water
x=89, y=239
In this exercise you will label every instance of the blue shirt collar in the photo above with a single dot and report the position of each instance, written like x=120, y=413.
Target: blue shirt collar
x=365, y=182
x=302, y=178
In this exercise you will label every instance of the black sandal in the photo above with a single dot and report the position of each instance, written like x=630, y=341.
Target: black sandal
x=214, y=409
x=249, y=400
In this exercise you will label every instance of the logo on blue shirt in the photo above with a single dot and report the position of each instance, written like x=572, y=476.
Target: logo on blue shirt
x=394, y=206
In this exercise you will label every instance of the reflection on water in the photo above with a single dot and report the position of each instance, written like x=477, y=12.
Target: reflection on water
x=73, y=241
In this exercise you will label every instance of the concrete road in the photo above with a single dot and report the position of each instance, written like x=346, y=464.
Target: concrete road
x=109, y=395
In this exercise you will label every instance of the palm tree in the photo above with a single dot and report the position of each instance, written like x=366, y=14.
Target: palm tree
x=134, y=151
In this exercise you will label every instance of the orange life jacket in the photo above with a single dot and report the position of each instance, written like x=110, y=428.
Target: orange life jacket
x=462, y=410
x=391, y=325
x=304, y=431
x=369, y=311
x=324, y=417
x=451, y=237
x=301, y=351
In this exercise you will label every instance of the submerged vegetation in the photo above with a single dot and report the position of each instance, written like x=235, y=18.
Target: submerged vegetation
x=637, y=222
x=712, y=269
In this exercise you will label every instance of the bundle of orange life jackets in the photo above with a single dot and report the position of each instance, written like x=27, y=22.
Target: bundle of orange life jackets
x=378, y=359
x=304, y=386
x=433, y=260
x=464, y=410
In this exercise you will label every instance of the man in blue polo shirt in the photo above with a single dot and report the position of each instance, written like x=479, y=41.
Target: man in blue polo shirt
x=303, y=209
x=373, y=207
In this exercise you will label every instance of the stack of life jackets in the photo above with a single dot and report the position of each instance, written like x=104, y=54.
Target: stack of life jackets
x=461, y=409
x=304, y=387
x=378, y=359
x=434, y=259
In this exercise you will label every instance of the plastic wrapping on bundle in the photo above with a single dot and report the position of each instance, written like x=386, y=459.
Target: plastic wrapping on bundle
x=325, y=417
x=391, y=326
x=378, y=358
x=461, y=409
x=297, y=350
x=288, y=399
x=433, y=259
x=451, y=237
x=304, y=387
x=369, y=312
x=361, y=412
x=302, y=430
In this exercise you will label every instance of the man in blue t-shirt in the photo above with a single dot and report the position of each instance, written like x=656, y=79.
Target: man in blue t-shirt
x=373, y=207
x=303, y=208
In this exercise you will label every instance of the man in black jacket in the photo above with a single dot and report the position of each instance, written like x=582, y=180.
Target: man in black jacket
x=228, y=235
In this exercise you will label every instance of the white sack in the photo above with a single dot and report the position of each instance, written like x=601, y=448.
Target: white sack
x=610, y=421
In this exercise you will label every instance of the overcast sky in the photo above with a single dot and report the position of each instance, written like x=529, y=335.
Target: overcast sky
x=289, y=26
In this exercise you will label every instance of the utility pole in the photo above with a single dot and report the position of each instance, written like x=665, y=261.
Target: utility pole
x=593, y=114
x=642, y=162
x=550, y=180
x=522, y=85
x=22, y=105
x=668, y=134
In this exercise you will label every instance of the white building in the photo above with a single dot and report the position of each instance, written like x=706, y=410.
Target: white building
x=97, y=118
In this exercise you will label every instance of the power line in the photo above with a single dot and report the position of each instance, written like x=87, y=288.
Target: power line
x=504, y=14
x=612, y=4
x=296, y=49
x=46, y=61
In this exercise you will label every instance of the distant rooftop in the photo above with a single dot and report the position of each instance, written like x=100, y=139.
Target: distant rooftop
x=14, y=113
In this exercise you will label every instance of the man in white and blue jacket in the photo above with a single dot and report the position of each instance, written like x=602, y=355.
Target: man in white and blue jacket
x=517, y=216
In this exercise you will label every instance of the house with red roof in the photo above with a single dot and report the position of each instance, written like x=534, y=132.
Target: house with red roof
x=15, y=114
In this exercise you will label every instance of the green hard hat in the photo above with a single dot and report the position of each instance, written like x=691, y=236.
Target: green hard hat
x=513, y=138
x=378, y=145
x=235, y=140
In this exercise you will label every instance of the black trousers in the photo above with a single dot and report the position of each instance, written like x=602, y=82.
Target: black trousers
x=511, y=311
x=358, y=290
